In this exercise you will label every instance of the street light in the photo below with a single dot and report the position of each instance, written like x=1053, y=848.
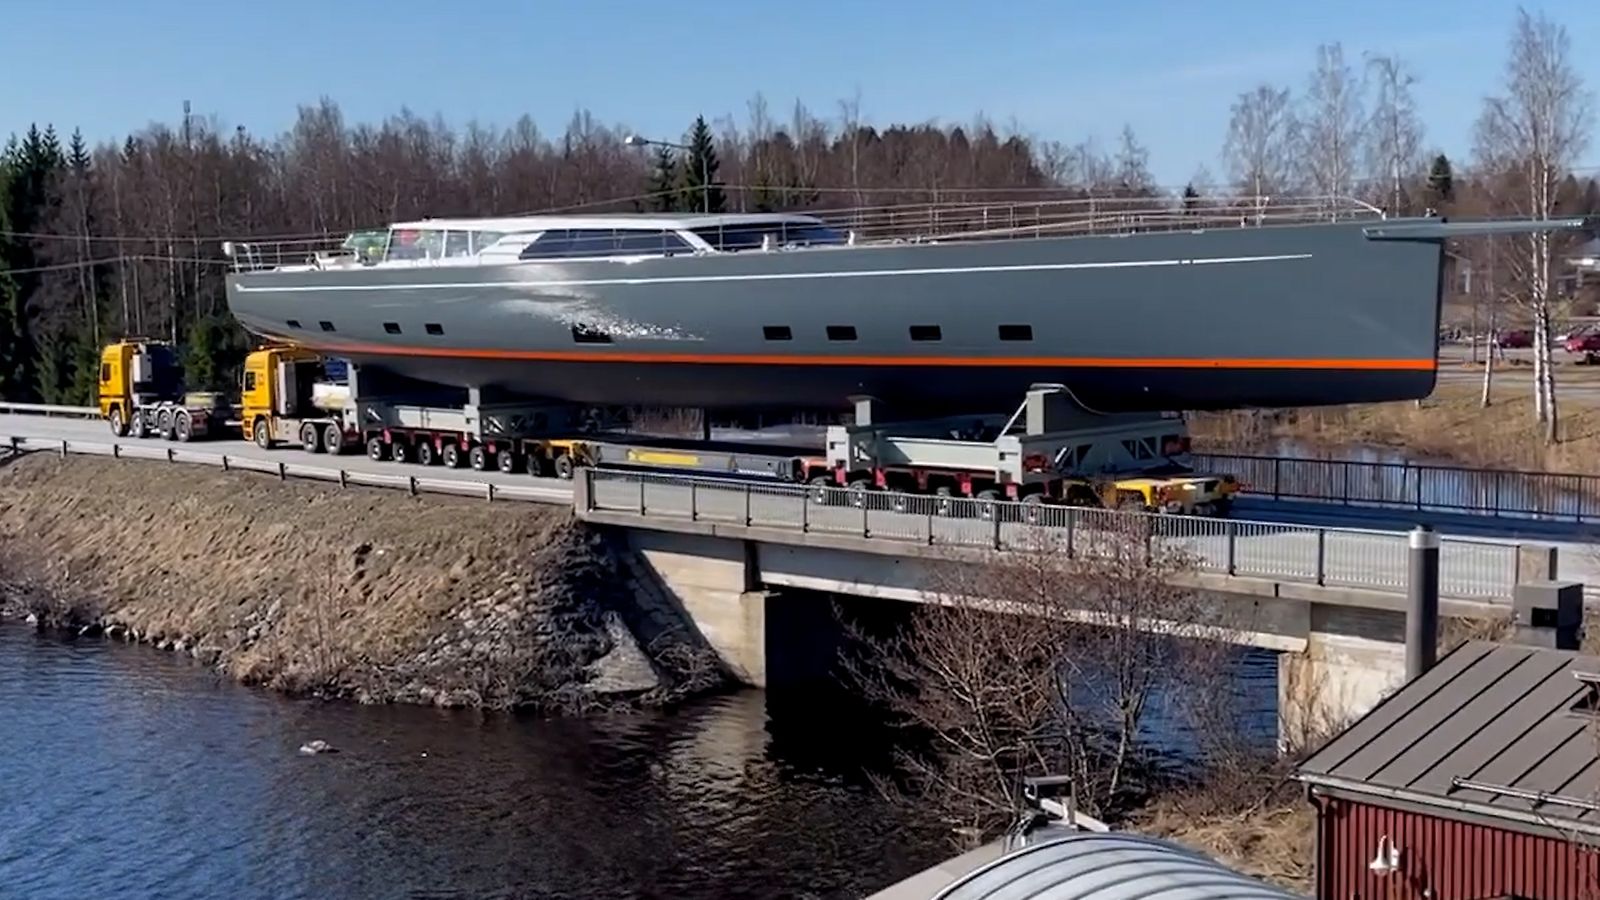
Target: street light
x=634, y=140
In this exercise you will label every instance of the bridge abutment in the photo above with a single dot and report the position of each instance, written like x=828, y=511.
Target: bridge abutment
x=714, y=584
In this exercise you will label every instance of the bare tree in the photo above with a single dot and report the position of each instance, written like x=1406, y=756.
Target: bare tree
x=1262, y=132
x=1133, y=165
x=1332, y=125
x=1394, y=131
x=1037, y=661
x=1526, y=141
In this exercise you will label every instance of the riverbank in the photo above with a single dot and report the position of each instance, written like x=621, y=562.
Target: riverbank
x=311, y=589
x=1448, y=427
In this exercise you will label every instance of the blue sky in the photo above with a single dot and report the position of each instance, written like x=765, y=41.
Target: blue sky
x=1062, y=70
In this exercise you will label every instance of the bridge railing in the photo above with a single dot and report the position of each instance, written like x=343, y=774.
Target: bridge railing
x=1551, y=496
x=283, y=469
x=1334, y=557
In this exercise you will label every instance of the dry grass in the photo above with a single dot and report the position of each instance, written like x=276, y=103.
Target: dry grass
x=1448, y=426
x=1273, y=839
x=309, y=588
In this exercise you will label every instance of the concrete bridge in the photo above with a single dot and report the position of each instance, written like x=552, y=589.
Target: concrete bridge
x=735, y=557
x=1328, y=597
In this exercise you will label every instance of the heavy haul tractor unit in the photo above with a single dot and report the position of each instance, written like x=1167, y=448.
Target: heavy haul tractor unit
x=284, y=397
x=140, y=392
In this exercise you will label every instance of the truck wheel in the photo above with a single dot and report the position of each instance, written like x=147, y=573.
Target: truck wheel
x=565, y=468
x=508, y=461
x=401, y=452
x=478, y=458
x=164, y=425
x=262, y=432
x=182, y=428
x=377, y=449
x=118, y=422
x=332, y=439
x=450, y=456
x=310, y=438
x=426, y=456
x=137, y=426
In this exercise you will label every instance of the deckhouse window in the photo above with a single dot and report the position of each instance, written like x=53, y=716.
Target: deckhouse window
x=416, y=243
x=572, y=243
x=640, y=243
x=457, y=243
x=749, y=236
x=483, y=240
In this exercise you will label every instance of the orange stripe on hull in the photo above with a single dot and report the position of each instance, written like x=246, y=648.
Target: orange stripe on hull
x=600, y=354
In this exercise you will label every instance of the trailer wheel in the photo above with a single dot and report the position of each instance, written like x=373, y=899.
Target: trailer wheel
x=1031, y=511
x=118, y=421
x=450, y=456
x=426, y=456
x=401, y=452
x=988, y=504
x=262, y=431
x=310, y=438
x=942, y=500
x=508, y=461
x=332, y=439
x=377, y=449
x=565, y=467
x=478, y=458
x=858, y=493
x=819, y=489
x=182, y=428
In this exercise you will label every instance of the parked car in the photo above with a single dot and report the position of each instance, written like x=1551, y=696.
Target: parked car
x=1514, y=340
x=1584, y=343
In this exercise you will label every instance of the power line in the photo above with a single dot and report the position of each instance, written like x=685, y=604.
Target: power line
x=111, y=260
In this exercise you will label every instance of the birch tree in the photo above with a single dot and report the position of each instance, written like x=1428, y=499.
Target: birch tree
x=1394, y=130
x=1332, y=124
x=1528, y=139
x=1259, y=151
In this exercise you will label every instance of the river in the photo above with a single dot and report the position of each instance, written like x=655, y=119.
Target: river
x=134, y=773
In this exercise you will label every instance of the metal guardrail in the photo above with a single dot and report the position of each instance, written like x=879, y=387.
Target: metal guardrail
x=1333, y=557
x=46, y=409
x=1550, y=496
x=285, y=470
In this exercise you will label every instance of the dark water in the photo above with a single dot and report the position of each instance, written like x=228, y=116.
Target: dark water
x=130, y=773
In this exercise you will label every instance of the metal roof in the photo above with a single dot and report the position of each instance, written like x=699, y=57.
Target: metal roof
x=1492, y=730
x=1108, y=866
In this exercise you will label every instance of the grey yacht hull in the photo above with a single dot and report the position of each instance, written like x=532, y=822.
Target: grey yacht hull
x=1213, y=319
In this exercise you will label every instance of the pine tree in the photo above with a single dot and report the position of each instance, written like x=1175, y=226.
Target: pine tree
x=10, y=296
x=1441, y=182
x=701, y=190
x=663, y=188
x=1191, y=200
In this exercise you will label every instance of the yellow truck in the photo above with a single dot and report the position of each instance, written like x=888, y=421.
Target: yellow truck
x=140, y=391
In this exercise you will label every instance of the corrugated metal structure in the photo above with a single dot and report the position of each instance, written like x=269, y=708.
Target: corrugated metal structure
x=1478, y=780
x=1107, y=866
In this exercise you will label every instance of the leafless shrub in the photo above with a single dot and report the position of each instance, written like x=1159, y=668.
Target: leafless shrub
x=1044, y=660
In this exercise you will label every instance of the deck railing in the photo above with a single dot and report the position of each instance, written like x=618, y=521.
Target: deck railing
x=911, y=223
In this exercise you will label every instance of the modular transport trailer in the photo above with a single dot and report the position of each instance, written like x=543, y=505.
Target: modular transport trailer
x=1051, y=450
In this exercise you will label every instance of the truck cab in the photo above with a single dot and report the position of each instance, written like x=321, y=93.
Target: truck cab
x=136, y=374
x=278, y=401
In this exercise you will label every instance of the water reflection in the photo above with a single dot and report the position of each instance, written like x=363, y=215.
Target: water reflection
x=132, y=773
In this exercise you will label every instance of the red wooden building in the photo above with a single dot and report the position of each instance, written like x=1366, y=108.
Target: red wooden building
x=1478, y=781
